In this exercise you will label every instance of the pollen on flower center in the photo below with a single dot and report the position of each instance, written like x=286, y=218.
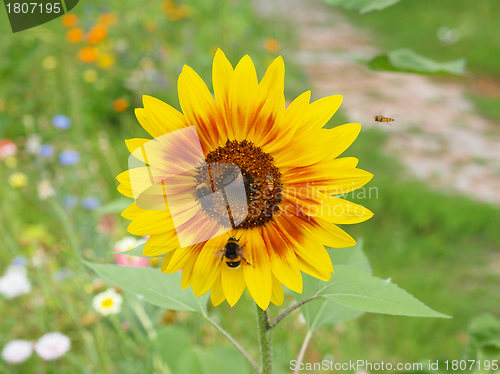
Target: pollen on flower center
x=260, y=177
x=107, y=303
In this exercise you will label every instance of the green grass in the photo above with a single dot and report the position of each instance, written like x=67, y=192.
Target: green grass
x=414, y=24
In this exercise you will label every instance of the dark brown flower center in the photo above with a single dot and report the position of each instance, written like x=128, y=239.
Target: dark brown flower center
x=263, y=188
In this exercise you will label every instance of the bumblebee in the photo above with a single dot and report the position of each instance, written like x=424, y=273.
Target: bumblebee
x=232, y=253
x=384, y=119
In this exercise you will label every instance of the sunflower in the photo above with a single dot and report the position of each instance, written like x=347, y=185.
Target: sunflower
x=282, y=160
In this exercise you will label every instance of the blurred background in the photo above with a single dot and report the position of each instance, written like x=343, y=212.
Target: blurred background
x=67, y=95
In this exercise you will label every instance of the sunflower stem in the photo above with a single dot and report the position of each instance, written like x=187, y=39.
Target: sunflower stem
x=266, y=347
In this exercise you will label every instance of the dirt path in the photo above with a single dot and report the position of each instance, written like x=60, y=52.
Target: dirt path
x=436, y=135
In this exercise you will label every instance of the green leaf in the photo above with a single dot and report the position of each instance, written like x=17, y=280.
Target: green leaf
x=357, y=290
x=484, y=341
x=406, y=60
x=353, y=256
x=174, y=346
x=137, y=252
x=321, y=312
x=363, y=6
x=155, y=287
x=171, y=353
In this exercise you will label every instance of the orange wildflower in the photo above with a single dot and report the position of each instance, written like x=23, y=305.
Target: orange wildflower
x=120, y=105
x=97, y=34
x=168, y=6
x=70, y=20
x=108, y=19
x=75, y=35
x=88, y=54
x=272, y=45
x=183, y=11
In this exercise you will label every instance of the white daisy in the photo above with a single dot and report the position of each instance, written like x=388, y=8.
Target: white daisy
x=17, y=351
x=52, y=346
x=108, y=302
x=15, y=282
x=127, y=243
x=45, y=190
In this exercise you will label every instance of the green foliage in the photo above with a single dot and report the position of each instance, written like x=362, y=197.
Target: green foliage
x=184, y=357
x=363, y=6
x=417, y=24
x=484, y=342
x=406, y=60
x=358, y=290
x=352, y=291
x=115, y=206
x=155, y=287
x=321, y=312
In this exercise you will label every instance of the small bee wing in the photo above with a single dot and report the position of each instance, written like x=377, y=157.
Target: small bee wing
x=218, y=252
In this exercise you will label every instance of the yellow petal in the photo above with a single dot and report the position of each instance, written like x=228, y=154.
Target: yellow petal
x=258, y=277
x=125, y=188
x=291, y=122
x=243, y=97
x=320, y=111
x=166, y=260
x=133, y=144
x=283, y=261
x=344, y=162
x=208, y=266
x=161, y=117
x=222, y=72
x=268, y=127
x=187, y=272
x=311, y=270
x=217, y=293
x=336, y=181
x=233, y=283
x=160, y=244
x=277, y=297
x=314, y=253
x=341, y=137
x=132, y=211
x=342, y=211
x=151, y=222
x=331, y=235
x=198, y=107
x=273, y=82
x=181, y=256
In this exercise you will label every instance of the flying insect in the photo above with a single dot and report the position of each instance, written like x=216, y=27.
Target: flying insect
x=384, y=119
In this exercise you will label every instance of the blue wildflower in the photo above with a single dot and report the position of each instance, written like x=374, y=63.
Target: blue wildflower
x=19, y=261
x=46, y=150
x=70, y=201
x=61, y=122
x=69, y=157
x=91, y=203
